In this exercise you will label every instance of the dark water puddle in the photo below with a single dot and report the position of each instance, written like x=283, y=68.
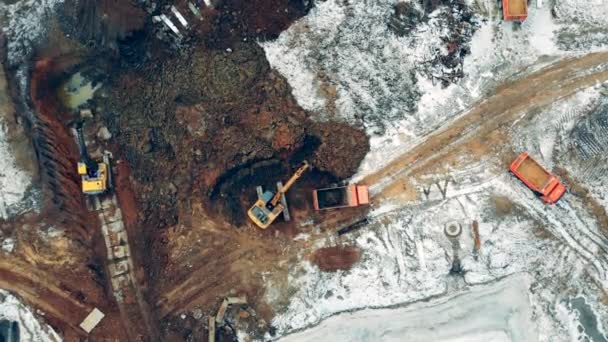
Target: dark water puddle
x=588, y=319
x=9, y=331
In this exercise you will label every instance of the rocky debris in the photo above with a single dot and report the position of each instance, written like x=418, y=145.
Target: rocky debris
x=331, y=259
x=221, y=24
x=254, y=19
x=341, y=148
x=104, y=134
x=101, y=24
x=455, y=16
x=205, y=117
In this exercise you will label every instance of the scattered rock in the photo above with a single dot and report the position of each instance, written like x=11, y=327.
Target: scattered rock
x=8, y=245
x=104, y=134
x=244, y=314
x=197, y=314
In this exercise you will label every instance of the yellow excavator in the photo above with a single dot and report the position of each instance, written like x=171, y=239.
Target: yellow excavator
x=96, y=177
x=267, y=208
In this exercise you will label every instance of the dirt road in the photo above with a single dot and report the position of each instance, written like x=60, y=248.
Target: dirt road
x=64, y=305
x=489, y=118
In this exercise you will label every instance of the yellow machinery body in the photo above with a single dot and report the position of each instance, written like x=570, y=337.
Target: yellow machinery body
x=267, y=208
x=94, y=185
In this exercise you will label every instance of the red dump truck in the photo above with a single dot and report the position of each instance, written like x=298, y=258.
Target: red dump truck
x=340, y=197
x=537, y=178
x=515, y=10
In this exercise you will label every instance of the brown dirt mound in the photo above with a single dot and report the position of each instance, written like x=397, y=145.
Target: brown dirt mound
x=259, y=19
x=197, y=123
x=102, y=23
x=331, y=259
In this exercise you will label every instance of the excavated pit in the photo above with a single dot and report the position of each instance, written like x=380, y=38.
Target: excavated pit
x=200, y=125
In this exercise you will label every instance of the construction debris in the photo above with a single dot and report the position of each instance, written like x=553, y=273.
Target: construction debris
x=92, y=320
x=477, y=245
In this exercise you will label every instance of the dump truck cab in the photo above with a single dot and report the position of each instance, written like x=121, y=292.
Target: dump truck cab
x=541, y=181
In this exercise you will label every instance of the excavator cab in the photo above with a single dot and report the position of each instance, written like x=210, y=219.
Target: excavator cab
x=95, y=176
x=267, y=208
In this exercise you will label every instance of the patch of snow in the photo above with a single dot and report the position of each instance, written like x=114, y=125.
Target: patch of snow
x=14, y=182
x=23, y=27
x=8, y=245
x=540, y=22
x=30, y=328
x=569, y=320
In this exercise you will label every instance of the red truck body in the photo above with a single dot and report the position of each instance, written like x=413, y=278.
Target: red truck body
x=537, y=178
x=340, y=197
x=515, y=10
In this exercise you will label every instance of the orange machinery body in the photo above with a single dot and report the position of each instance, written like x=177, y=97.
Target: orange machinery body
x=515, y=10
x=537, y=178
x=340, y=197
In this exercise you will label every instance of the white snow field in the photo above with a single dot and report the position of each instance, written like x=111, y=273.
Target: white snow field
x=497, y=312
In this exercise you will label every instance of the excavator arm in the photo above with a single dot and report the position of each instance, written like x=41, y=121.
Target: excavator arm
x=91, y=165
x=277, y=197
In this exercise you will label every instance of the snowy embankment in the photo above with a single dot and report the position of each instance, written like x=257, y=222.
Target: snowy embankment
x=22, y=27
x=495, y=312
x=30, y=329
x=13, y=181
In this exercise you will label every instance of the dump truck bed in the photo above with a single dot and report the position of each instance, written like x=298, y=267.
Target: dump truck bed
x=340, y=197
x=537, y=178
x=534, y=173
x=332, y=198
x=515, y=9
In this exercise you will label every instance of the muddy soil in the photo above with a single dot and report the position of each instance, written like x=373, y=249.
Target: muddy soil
x=331, y=259
x=237, y=20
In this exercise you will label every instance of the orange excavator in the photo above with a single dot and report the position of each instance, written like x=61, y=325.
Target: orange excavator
x=267, y=208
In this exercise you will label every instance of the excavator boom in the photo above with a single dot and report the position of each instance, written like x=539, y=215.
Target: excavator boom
x=277, y=197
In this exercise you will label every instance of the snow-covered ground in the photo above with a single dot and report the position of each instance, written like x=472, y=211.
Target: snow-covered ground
x=407, y=257
x=497, y=312
x=372, y=75
x=30, y=329
x=561, y=250
x=23, y=25
x=13, y=181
